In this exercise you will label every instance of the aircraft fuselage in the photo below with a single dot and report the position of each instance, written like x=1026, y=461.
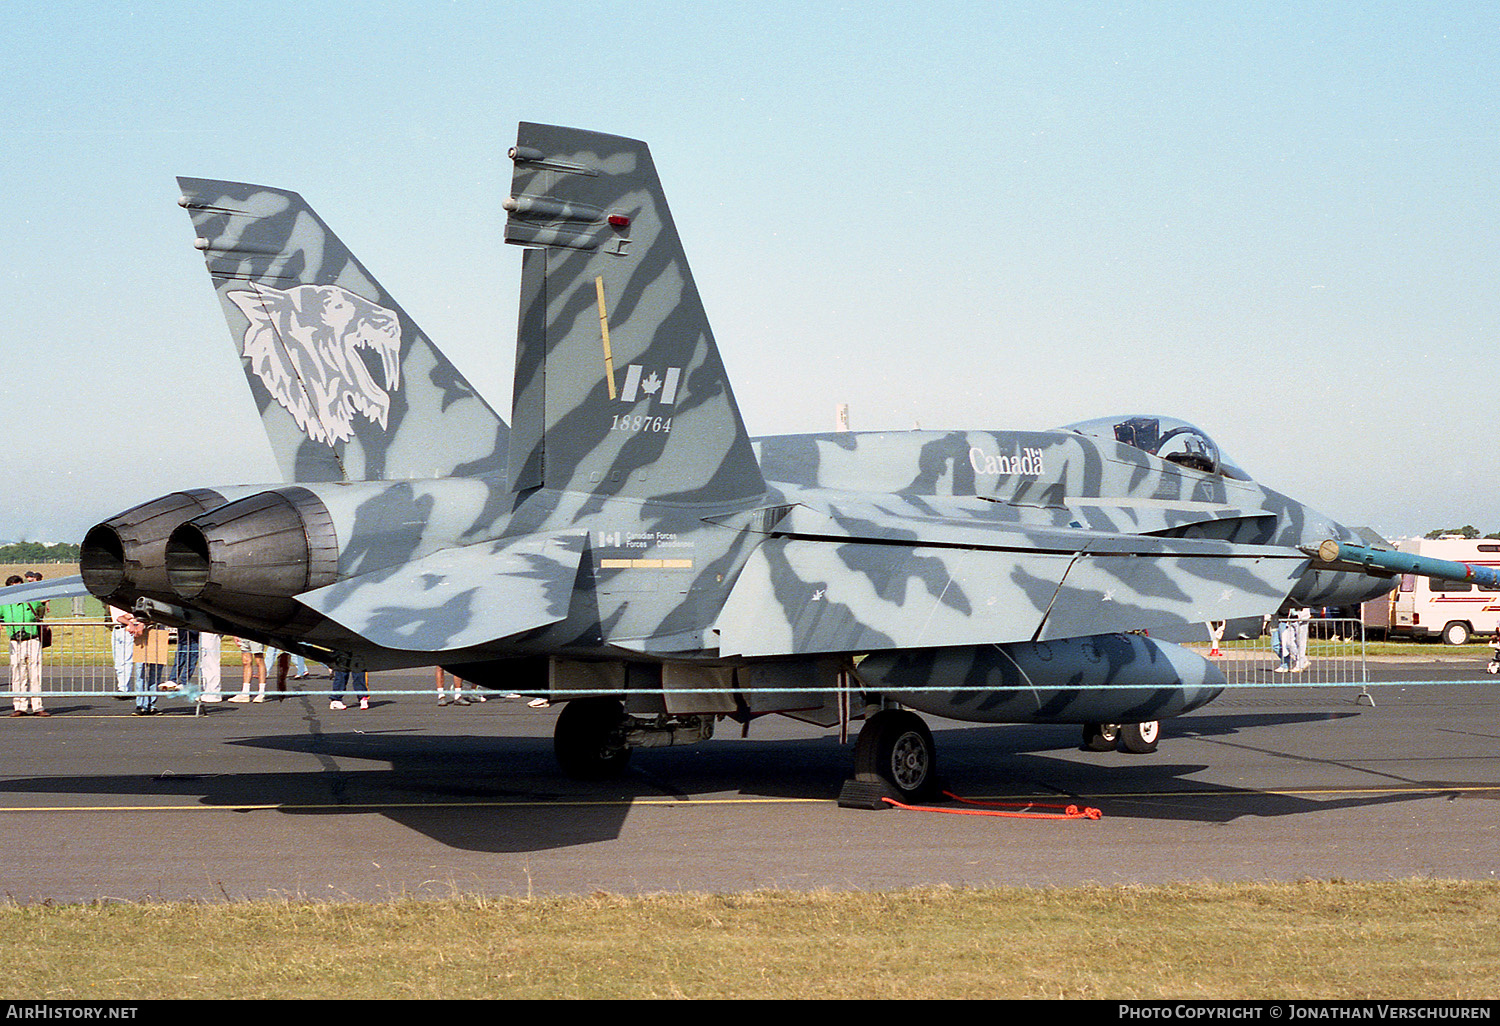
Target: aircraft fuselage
x=653, y=577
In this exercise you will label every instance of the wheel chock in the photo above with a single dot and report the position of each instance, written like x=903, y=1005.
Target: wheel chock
x=866, y=794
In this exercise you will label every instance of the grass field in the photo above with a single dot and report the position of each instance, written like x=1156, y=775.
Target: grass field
x=47, y=570
x=1314, y=940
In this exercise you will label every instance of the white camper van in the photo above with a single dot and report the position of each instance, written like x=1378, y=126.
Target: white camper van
x=1424, y=608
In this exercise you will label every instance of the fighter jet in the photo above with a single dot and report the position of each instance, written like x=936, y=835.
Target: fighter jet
x=626, y=548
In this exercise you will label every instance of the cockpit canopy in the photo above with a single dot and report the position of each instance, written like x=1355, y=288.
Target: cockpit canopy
x=1166, y=437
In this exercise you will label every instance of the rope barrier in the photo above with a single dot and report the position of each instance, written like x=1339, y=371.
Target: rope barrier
x=1069, y=811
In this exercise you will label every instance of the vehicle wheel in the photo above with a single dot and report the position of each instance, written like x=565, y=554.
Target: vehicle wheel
x=1140, y=738
x=1100, y=737
x=587, y=739
x=896, y=747
x=1456, y=634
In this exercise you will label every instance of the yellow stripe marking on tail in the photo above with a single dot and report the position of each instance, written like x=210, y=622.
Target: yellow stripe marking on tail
x=609, y=357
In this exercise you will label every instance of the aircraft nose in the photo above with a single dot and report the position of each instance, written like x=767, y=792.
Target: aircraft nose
x=1337, y=587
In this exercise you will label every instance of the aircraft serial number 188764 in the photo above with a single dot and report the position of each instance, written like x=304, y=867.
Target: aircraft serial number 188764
x=991, y=576
x=639, y=423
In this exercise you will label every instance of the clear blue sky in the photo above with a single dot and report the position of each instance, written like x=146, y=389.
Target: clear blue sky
x=1278, y=221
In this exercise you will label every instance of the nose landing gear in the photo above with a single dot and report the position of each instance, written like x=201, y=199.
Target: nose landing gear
x=1136, y=738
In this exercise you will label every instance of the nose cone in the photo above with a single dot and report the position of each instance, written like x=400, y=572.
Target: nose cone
x=1327, y=587
x=1339, y=588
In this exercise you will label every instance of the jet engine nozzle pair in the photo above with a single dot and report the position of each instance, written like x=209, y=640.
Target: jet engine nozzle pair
x=246, y=559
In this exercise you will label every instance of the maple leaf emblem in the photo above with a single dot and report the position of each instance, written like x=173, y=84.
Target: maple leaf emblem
x=651, y=384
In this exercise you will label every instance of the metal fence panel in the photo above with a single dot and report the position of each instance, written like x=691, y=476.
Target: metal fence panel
x=79, y=660
x=1332, y=652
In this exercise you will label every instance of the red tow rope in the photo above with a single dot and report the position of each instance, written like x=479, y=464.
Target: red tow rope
x=1068, y=811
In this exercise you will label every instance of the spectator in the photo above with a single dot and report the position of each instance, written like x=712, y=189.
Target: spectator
x=24, y=625
x=150, y=664
x=186, y=660
x=252, y=658
x=122, y=647
x=209, y=665
x=458, y=684
x=341, y=681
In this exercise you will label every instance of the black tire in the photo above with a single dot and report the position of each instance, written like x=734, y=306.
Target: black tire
x=1456, y=633
x=895, y=747
x=1100, y=737
x=587, y=739
x=1140, y=738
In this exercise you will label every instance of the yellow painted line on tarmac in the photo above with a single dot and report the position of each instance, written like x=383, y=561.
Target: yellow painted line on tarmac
x=148, y=808
x=690, y=802
x=356, y=806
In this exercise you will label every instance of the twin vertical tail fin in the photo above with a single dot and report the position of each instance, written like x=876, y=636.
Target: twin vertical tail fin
x=347, y=385
x=619, y=386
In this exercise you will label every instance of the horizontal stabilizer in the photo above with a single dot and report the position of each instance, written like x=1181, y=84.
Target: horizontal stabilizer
x=41, y=591
x=803, y=597
x=459, y=598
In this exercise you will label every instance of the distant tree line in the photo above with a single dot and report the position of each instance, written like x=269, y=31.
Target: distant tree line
x=38, y=552
x=1467, y=531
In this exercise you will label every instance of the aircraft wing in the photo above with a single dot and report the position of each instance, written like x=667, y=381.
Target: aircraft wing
x=1104, y=594
x=461, y=597
x=805, y=595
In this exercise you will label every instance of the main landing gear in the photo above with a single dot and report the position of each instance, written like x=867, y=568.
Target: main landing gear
x=594, y=736
x=1137, y=738
x=894, y=758
x=589, y=739
x=895, y=748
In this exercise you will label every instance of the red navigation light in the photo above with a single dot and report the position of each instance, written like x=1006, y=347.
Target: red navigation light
x=619, y=221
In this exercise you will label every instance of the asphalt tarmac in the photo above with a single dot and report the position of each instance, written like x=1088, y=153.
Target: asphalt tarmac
x=293, y=800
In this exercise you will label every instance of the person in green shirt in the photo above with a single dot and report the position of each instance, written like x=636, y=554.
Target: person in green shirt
x=24, y=625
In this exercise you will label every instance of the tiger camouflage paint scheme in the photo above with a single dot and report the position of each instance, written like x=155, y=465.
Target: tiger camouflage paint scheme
x=625, y=544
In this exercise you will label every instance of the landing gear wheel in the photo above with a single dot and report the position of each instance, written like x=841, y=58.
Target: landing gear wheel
x=1140, y=738
x=587, y=739
x=1100, y=737
x=895, y=747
